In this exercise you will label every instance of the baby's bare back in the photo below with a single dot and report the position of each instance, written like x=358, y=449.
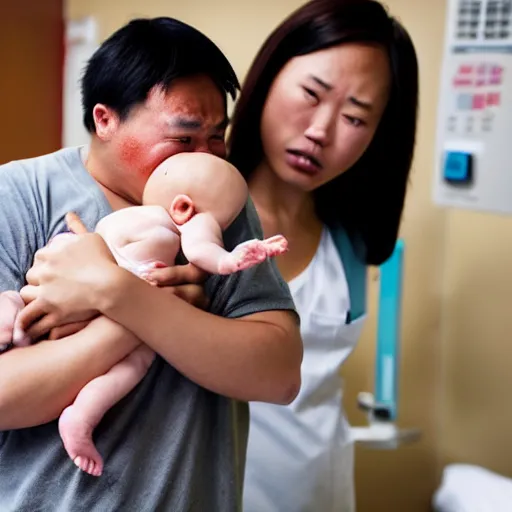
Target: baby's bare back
x=141, y=237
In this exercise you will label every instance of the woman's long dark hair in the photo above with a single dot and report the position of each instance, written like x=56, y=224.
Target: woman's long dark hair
x=368, y=199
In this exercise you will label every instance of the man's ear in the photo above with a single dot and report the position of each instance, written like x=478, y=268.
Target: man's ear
x=182, y=209
x=106, y=121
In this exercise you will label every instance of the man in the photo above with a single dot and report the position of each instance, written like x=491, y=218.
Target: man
x=153, y=89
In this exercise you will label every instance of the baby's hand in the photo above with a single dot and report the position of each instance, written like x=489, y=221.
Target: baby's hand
x=11, y=304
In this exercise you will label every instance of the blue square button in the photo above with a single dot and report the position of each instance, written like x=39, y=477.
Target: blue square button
x=458, y=167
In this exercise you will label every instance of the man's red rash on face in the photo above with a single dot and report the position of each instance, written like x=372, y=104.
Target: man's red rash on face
x=134, y=156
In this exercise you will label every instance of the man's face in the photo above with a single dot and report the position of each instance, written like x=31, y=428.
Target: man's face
x=189, y=117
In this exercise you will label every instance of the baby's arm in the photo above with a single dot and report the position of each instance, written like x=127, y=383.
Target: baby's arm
x=78, y=421
x=201, y=243
x=11, y=304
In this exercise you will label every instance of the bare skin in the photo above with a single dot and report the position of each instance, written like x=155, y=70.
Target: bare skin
x=11, y=304
x=333, y=101
x=255, y=357
x=180, y=204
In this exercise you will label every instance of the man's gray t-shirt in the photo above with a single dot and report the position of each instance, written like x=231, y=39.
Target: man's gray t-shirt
x=169, y=445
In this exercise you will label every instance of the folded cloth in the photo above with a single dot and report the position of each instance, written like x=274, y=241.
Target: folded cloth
x=469, y=488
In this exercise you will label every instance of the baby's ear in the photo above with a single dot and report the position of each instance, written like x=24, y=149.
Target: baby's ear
x=182, y=209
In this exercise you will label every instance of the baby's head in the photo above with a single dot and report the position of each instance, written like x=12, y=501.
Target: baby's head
x=189, y=183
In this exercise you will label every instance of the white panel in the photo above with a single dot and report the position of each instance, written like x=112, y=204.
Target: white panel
x=475, y=110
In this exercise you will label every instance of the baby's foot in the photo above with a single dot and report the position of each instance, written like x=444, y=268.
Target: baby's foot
x=76, y=435
x=243, y=256
x=252, y=252
x=276, y=245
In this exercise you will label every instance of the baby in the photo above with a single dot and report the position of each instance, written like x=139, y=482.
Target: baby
x=188, y=201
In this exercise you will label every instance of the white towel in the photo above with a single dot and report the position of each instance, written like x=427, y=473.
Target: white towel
x=468, y=488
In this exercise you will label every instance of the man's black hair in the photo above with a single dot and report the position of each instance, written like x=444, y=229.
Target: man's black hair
x=146, y=53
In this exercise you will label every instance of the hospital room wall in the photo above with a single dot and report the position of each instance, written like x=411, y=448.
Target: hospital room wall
x=475, y=412
x=467, y=258
x=454, y=355
x=471, y=261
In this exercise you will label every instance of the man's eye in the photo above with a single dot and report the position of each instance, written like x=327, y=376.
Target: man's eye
x=183, y=140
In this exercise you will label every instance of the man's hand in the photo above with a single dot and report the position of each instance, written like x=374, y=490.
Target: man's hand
x=72, y=272
x=61, y=283
x=184, y=281
x=176, y=275
x=76, y=226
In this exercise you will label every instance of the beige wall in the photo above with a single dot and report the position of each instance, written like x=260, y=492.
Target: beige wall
x=476, y=414
x=237, y=26
x=455, y=370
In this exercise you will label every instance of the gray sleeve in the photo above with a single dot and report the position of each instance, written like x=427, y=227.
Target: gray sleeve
x=260, y=288
x=20, y=231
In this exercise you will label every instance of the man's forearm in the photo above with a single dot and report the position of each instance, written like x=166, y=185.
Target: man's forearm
x=255, y=358
x=38, y=382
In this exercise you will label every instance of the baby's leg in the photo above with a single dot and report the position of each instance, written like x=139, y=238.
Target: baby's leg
x=77, y=422
x=156, y=248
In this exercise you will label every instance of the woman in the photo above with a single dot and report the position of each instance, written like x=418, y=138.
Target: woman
x=324, y=134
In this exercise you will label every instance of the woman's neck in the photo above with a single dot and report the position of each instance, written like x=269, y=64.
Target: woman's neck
x=281, y=207
x=289, y=211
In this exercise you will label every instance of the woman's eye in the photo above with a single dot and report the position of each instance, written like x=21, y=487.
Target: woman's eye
x=354, y=121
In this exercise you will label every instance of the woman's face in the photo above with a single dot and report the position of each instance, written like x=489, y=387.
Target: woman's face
x=322, y=112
